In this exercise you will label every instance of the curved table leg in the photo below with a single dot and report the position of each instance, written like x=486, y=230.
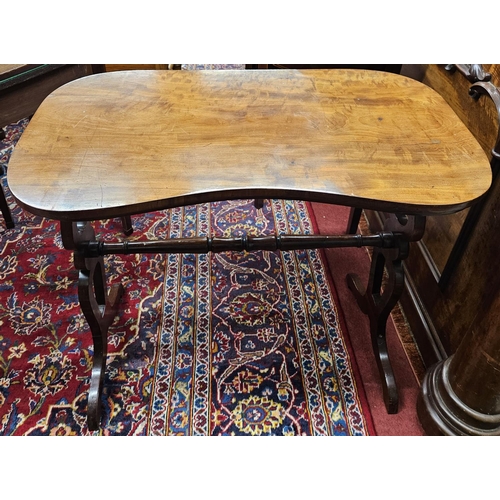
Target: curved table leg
x=380, y=296
x=98, y=306
x=99, y=309
x=378, y=305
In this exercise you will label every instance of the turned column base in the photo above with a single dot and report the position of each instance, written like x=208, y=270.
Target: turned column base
x=442, y=413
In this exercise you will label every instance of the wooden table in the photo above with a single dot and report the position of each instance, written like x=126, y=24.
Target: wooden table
x=118, y=144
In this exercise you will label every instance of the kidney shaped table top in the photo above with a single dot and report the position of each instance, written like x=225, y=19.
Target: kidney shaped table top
x=117, y=144
x=128, y=142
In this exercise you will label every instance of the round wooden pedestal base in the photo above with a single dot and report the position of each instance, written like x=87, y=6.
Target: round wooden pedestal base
x=442, y=413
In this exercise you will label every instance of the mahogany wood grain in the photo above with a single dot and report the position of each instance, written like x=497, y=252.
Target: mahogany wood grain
x=127, y=142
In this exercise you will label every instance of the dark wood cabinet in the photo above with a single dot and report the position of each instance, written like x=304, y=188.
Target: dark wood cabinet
x=23, y=87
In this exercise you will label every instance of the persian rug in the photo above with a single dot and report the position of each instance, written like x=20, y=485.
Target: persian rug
x=233, y=343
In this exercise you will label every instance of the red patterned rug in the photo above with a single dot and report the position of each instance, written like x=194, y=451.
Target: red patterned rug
x=221, y=344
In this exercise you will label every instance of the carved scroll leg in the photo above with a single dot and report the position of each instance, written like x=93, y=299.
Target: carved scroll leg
x=98, y=306
x=99, y=309
x=378, y=304
x=354, y=217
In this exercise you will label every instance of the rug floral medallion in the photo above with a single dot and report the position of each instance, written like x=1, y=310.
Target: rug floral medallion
x=233, y=343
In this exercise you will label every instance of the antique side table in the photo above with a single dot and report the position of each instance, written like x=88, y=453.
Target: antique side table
x=117, y=144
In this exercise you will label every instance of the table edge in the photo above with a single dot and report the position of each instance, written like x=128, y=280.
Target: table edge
x=244, y=194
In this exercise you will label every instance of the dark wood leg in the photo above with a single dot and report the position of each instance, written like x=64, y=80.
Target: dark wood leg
x=128, y=229
x=378, y=306
x=4, y=207
x=354, y=217
x=379, y=297
x=2, y=134
x=258, y=203
x=98, y=306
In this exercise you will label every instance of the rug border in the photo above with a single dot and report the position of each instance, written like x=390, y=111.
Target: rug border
x=343, y=325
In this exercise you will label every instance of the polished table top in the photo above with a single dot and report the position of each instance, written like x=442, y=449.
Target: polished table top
x=121, y=143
